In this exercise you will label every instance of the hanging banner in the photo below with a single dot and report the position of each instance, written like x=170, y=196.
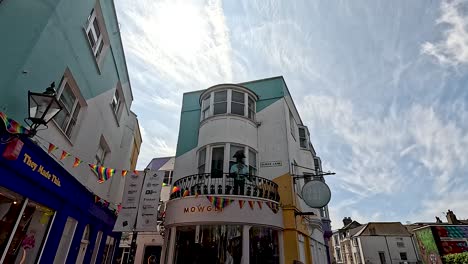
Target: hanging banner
x=149, y=201
x=127, y=216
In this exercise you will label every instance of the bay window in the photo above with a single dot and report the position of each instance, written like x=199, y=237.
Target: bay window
x=220, y=103
x=214, y=157
x=201, y=161
x=252, y=162
x=217, y=162
x=228, y=101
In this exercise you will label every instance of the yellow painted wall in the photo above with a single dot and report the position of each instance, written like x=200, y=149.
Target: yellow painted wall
x=292, y=224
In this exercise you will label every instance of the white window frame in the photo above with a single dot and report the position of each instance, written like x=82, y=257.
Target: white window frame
x=207, y=111
x=231, y=102
x=227, y=158
x=202, y=152
x=74, y=114
x=100, y=160
x=305, y=137
x=101, y=41
x=292, y=125
x=116, y=101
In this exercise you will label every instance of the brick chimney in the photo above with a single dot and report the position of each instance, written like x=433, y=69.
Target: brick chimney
x=347, y=221
x=452, y=218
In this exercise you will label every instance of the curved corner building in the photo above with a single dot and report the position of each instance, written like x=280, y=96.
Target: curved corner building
x=211, y=220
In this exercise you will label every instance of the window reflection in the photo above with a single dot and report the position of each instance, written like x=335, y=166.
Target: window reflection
x=264, y=248
x=220, y=244
x=30, y=234
x=10, y=208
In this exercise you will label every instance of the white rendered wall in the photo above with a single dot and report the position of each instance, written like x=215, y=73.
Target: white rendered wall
x=371, y=245
x=94, y=120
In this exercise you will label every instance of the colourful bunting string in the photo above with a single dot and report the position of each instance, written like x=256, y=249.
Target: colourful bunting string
x=260, y=204
x=186, y=193
x=175, y=189
x=77, y=162
x=135, y=172
x=105, y=173
x=64, y=155
x=52, y=148
x=219, y=202
x=273, y=206
x=251, y=204
x=164, y=184
x=93, y=167
x=12, y=126
x=241, y=203
x=124, y=173
x=96, y=199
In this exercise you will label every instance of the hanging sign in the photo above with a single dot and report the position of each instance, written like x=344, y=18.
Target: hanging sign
x=149, y=201
x=127, y=216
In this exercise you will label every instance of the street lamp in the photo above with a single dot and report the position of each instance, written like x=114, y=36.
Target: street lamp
x=42, y=108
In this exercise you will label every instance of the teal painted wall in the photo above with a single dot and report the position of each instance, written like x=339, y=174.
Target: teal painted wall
x=268, y=91
x=44, y=38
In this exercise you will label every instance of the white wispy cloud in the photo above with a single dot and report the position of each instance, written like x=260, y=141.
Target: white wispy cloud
x=172, y=47
x=453, y=49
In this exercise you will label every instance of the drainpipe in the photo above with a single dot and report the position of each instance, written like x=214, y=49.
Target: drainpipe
x=389, y=254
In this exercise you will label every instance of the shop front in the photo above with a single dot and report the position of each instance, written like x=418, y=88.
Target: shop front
x=46, y=215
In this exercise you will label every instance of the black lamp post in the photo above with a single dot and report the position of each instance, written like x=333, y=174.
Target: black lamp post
x=42, y=108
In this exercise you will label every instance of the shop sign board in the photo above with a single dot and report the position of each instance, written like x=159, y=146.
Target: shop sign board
x=131, y=196
x=149, y=201
x=277, y=163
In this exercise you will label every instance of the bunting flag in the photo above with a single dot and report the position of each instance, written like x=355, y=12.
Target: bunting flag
x=77, y=162
x=273, y=206
x=93, y=167
x=12, y=126
x=64, y=155
x=124, y=173
x=164, y=184
x=175, y=189
x=196, y=194
x=105, y=173
x=241, y=203
x=135, y=172
x=251, y=204
x=219, y=202
x=186, y=193
x=119, y=207
x=96, y=199
x=260, y=204
x=52, y=148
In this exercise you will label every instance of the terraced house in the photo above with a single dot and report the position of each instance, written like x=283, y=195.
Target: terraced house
x=215, y=216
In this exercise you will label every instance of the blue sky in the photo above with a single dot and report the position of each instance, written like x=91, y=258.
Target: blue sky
x=382, y=86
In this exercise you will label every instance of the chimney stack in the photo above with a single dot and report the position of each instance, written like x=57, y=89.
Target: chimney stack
x=452, y=218
x=347, y=221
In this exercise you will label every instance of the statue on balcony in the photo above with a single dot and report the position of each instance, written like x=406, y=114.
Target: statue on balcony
x=240, y=172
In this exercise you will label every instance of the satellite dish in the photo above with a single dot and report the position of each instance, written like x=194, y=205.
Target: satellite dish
x=316, y=194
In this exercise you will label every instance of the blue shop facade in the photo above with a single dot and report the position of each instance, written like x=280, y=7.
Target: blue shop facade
x=48, y=216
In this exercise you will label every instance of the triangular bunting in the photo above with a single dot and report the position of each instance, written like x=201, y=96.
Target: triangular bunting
x=124, y=173
x=219, y=202
x=273, y=206
x=260, y=204
x=12, y=126
x=135, y=172
x=96, y=198
x=186, y=193
x=251, y=204
x=164, y=184
x=77, y=162
x=105, y=173
x=64, y=155
x=175, y=189
x=241, y=203
x=52, y=147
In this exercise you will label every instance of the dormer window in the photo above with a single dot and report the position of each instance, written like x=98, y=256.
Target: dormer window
x=229, y=101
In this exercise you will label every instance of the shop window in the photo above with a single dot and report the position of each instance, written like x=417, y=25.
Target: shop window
x=302, y=137
x=201, y=161
x=216, y=244
x=96, y=247
x=237, y=103
x=152, y=254
x=108, y=250
x=217, y=162
x=220, y=103
x=121, y=256
x=67, y=95
x=264, y=245
x=167, y=238
x=30, y=234
x=65, y=240
x=10, y=209
x=83, y=245
x=252, y=162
